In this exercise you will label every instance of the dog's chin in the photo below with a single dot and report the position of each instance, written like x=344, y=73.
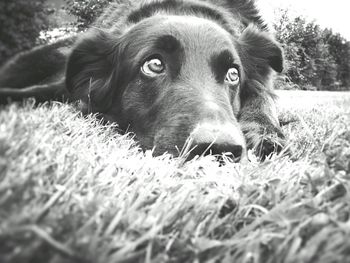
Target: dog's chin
x=159, y=143
x=168, y=143
x=167, y=147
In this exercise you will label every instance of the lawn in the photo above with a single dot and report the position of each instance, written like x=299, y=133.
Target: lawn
x=73, y=190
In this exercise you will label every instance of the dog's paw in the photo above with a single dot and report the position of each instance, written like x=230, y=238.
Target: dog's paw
x=268, y=144
x=264, y=140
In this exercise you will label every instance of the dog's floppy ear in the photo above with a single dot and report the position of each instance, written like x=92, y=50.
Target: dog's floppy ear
x=259, y=52
x=90, y=70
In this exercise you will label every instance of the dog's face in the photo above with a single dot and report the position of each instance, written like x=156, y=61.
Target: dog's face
x=169, y=79
x=180, y=86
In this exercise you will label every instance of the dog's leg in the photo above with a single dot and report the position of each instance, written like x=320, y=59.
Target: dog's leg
x=260, y=125
x=53, y=91
x=37, y=66
x=37, y=73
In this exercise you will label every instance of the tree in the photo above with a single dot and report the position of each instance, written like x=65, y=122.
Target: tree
x=315, y=57
x=288, y=33
x=339, y=48
x=322, y=68
x=21, y=23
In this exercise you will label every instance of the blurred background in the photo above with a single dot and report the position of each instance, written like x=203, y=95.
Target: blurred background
x=315, y=34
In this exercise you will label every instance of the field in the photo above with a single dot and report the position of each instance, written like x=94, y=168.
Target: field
x=72, y=190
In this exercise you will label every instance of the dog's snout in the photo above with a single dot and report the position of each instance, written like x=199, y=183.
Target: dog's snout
x=217, y=140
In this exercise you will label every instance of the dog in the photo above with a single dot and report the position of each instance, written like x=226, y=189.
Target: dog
x=178, y=74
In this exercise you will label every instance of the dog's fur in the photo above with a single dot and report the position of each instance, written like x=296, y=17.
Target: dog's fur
x=198, y=42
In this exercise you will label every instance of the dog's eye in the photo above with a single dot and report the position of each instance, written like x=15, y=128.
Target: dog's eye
x=153, y=67
x=232, y=76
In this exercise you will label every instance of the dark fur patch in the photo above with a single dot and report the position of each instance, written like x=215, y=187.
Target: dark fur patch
x=90, y=69
x=260, y=54
x=174, y=52
x=220, y=63
x=168, y=43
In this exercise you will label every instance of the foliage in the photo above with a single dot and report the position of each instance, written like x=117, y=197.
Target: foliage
x=21, y=23
x=86, y=11
x=340, y=51
x=315, y=57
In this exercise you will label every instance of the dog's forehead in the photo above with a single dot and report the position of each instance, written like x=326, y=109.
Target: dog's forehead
x=192, y=32
x=198, y=31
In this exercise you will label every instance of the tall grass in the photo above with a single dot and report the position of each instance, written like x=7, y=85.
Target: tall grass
x=74, y=190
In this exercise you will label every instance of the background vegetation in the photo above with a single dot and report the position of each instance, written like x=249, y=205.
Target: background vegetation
x=316, y=58
x=21, y=23
x=85, y=11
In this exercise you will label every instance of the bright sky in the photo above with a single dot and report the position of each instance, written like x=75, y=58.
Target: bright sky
x=333, y=14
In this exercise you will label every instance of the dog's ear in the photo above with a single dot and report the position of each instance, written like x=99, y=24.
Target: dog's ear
x=90, y=70
x=259, y=52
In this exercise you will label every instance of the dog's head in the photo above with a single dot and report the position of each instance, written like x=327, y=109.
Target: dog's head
x=173, y=78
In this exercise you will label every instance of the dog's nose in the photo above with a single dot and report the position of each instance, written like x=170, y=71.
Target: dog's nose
x=217, y=139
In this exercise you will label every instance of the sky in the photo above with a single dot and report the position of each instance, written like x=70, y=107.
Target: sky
x=334, y=14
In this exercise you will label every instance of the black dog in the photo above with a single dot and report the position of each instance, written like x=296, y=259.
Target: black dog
x=171, y=71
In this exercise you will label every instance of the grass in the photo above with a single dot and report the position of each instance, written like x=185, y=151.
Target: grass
x=72, y=190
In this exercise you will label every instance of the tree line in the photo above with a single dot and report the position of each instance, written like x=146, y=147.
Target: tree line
x=316, y=58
